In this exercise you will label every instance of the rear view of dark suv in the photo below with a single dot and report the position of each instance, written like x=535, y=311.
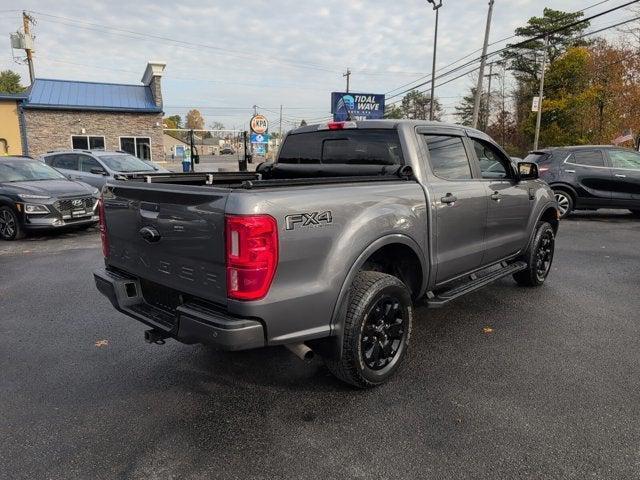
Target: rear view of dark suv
x=591, y=177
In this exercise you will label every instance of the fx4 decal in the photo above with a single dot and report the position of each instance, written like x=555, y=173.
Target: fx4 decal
x=314, y=219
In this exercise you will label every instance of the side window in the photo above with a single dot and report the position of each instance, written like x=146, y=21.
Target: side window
x=448, y=157
x=624, y=159
x=493, y=164
x=87, y=163
x=588, y=158
x=67, y=161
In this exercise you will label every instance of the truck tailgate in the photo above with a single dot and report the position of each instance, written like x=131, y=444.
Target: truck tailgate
x=169, y=235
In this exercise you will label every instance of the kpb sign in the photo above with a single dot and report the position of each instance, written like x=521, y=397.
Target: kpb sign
x=356, y=106
x=259, y=124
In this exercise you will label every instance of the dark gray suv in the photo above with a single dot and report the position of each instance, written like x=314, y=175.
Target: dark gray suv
x=34, y=196
x=591, y=176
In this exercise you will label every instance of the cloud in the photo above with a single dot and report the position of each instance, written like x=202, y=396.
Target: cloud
x=245, y=52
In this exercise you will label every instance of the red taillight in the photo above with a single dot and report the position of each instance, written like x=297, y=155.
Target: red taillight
x=103, y=228
x=335, y=125
x=252, y=255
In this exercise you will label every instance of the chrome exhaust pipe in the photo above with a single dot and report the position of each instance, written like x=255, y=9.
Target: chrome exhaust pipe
x=300, y=350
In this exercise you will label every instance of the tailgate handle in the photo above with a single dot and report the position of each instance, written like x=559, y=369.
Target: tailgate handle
x=150, y=234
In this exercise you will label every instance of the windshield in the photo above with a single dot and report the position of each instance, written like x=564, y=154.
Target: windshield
x=26, y=171
x=351, y=147
x=125, y=163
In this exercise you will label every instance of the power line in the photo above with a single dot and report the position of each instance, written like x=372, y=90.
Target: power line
x=518, y=45
x=579, y=37
x=182, y=43
x=491, y=44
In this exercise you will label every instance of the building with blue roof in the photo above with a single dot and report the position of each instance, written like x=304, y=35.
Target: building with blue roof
x=66, y=114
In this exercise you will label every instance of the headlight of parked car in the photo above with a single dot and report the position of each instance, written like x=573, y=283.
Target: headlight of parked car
x=28, y=196
x=35, y=209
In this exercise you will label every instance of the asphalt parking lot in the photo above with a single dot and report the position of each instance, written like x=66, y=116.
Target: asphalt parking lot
x=506, y=383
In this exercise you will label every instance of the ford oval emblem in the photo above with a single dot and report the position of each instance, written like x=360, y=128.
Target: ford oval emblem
x=150, y=234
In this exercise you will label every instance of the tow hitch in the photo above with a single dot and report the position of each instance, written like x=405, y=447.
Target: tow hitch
x=155, y=336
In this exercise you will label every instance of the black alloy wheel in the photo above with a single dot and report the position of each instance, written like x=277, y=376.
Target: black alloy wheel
x=383, y=333
x=544, y=255
x=539, y=257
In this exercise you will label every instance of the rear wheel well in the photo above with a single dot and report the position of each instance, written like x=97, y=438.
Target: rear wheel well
x=400, y=261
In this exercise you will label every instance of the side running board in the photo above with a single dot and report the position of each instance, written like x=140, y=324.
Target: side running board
x=437, y=301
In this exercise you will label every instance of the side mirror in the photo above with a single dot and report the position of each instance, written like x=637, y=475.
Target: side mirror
x=98, y=171
x=527, y=171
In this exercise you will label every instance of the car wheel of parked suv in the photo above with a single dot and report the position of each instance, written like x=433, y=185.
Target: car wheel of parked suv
x=10, y=228
x=376, y=330
x=538, y=256
x=565, y=202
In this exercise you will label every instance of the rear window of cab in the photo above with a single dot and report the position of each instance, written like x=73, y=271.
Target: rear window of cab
x=346, y=147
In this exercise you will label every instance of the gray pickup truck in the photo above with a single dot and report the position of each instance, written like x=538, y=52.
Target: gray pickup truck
x=327, y=249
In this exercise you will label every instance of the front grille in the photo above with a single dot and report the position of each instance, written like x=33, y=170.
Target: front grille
x=67, y=205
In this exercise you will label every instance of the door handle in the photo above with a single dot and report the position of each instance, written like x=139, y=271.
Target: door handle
x=619, y=175
x=570, y=171
x=449, y=199
x=496, y=196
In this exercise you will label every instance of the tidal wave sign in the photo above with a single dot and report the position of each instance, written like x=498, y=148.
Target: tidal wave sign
x=356, y=106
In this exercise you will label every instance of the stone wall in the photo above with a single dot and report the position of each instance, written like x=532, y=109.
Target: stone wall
x=52, y=129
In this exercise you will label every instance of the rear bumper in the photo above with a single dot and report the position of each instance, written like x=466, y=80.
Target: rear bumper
x=190, y=323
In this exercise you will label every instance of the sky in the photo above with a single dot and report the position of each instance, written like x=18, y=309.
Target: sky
x=223, y=57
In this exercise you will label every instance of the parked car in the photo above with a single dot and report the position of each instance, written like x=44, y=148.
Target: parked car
x=591, y=176
x=326, y=249
x=227, y=151
x=95, y=166
x=34, y=196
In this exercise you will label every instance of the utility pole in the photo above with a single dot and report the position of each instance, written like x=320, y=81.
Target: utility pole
x=348, y=75
x=26, y=21
x=436, y=7
x=541, y=93
x=476, y=105
x=488, y=106
x=280, y=129
x=502, y=113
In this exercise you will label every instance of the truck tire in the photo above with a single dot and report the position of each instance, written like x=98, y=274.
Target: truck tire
x=10, y=227
x=538, y=256
x=376, y=331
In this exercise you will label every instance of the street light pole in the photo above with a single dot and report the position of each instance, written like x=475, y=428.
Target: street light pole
x=436, y=7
